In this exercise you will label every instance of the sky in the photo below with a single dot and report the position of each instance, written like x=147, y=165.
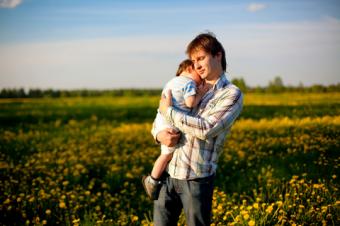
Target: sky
x=138, y=44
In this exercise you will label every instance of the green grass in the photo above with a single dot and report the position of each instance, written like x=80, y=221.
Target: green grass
x=82, y=159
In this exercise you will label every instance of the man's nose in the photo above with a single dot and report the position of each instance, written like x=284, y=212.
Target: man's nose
x=197, y=65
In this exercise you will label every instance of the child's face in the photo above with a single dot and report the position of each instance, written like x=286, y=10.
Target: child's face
x=195, y=76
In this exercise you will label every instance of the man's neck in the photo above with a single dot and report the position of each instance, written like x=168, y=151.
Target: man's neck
x=212, y=81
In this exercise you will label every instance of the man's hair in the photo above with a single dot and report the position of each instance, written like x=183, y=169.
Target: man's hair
x=183, y=66
x=208, y=43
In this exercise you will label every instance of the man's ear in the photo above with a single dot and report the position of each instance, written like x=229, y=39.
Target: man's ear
x=219, y=55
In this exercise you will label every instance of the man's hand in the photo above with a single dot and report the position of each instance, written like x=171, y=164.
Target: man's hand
x=168, y=137
x=165, y=102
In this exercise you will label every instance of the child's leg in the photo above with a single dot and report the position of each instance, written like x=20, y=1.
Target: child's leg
x=152, y=184
x=160, y=165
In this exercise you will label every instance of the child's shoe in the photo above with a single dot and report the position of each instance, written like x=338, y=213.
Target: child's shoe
x=152, y=187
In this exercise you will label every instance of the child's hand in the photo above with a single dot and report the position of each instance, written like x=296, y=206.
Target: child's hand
x=202, y=89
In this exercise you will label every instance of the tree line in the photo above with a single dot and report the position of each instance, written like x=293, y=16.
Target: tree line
x=274, y=86
x=277, y=86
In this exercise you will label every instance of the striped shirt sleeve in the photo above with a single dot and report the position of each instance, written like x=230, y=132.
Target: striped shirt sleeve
x=189, y=89
x=221, y=117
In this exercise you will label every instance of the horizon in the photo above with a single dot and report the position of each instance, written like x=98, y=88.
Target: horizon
x=138, y=44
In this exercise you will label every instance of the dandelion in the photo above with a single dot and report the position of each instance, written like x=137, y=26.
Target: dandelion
x=7, y=201
x=246, y=216
x=76, y=221
x=269, y=209
x=279, y=203
x=98, y=208
x=251, y=223
x=134, y=218
x=62, y=205
x=48, y=212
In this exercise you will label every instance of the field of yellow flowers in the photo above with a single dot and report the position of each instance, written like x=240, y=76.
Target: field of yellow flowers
x=79, y=161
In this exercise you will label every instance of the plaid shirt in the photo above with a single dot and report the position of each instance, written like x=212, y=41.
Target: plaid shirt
x=204, y=132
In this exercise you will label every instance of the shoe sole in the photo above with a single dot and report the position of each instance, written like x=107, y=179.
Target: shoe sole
x=146, y=190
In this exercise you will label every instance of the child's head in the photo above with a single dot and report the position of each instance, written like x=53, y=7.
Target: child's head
x=188, y=67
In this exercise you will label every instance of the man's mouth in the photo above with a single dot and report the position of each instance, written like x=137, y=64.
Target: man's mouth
x=201, y=72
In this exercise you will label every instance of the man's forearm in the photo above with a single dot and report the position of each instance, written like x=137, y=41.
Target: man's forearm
x=222, y=117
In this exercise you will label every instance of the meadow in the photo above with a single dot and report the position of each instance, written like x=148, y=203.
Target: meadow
x=79, y=161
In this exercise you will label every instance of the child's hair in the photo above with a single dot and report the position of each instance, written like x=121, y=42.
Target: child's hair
x=183, y=66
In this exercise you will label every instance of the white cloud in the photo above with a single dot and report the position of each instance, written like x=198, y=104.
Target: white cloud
x=254, y=7
x=297, y=51
x=9, y=3
x=101, y=63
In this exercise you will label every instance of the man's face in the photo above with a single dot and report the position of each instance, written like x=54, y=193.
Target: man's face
x=207, y=66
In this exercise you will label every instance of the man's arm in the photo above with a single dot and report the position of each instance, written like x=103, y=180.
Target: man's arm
x=221, y=116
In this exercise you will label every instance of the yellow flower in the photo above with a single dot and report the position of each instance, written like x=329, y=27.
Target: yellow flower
x=251, y=223
x=7, y=201
x=269, y=209
x=134, y=218
x=256, y=205
x=48, y=211
x=62, y=205
x=246, y=216
x=279, y=203
x=76, y=221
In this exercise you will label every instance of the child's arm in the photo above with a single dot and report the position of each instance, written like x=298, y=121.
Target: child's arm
x=194, y=94
x=192, y=101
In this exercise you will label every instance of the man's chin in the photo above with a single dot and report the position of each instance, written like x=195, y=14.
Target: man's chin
x=203, y=77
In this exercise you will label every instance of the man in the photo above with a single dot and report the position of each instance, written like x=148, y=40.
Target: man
x=189, y=184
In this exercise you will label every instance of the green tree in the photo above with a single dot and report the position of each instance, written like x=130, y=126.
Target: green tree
x=276, y=85
x=240, y=83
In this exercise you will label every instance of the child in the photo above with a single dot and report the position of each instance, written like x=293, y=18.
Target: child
x=185, y=96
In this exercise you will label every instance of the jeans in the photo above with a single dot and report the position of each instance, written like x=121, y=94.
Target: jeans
x=194, y=196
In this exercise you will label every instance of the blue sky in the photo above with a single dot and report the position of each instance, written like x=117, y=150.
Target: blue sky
x=123, y=44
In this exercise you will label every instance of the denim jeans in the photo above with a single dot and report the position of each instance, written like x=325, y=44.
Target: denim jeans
x=194, y=196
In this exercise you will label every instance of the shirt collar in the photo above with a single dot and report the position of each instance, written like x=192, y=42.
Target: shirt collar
x=221, y=82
